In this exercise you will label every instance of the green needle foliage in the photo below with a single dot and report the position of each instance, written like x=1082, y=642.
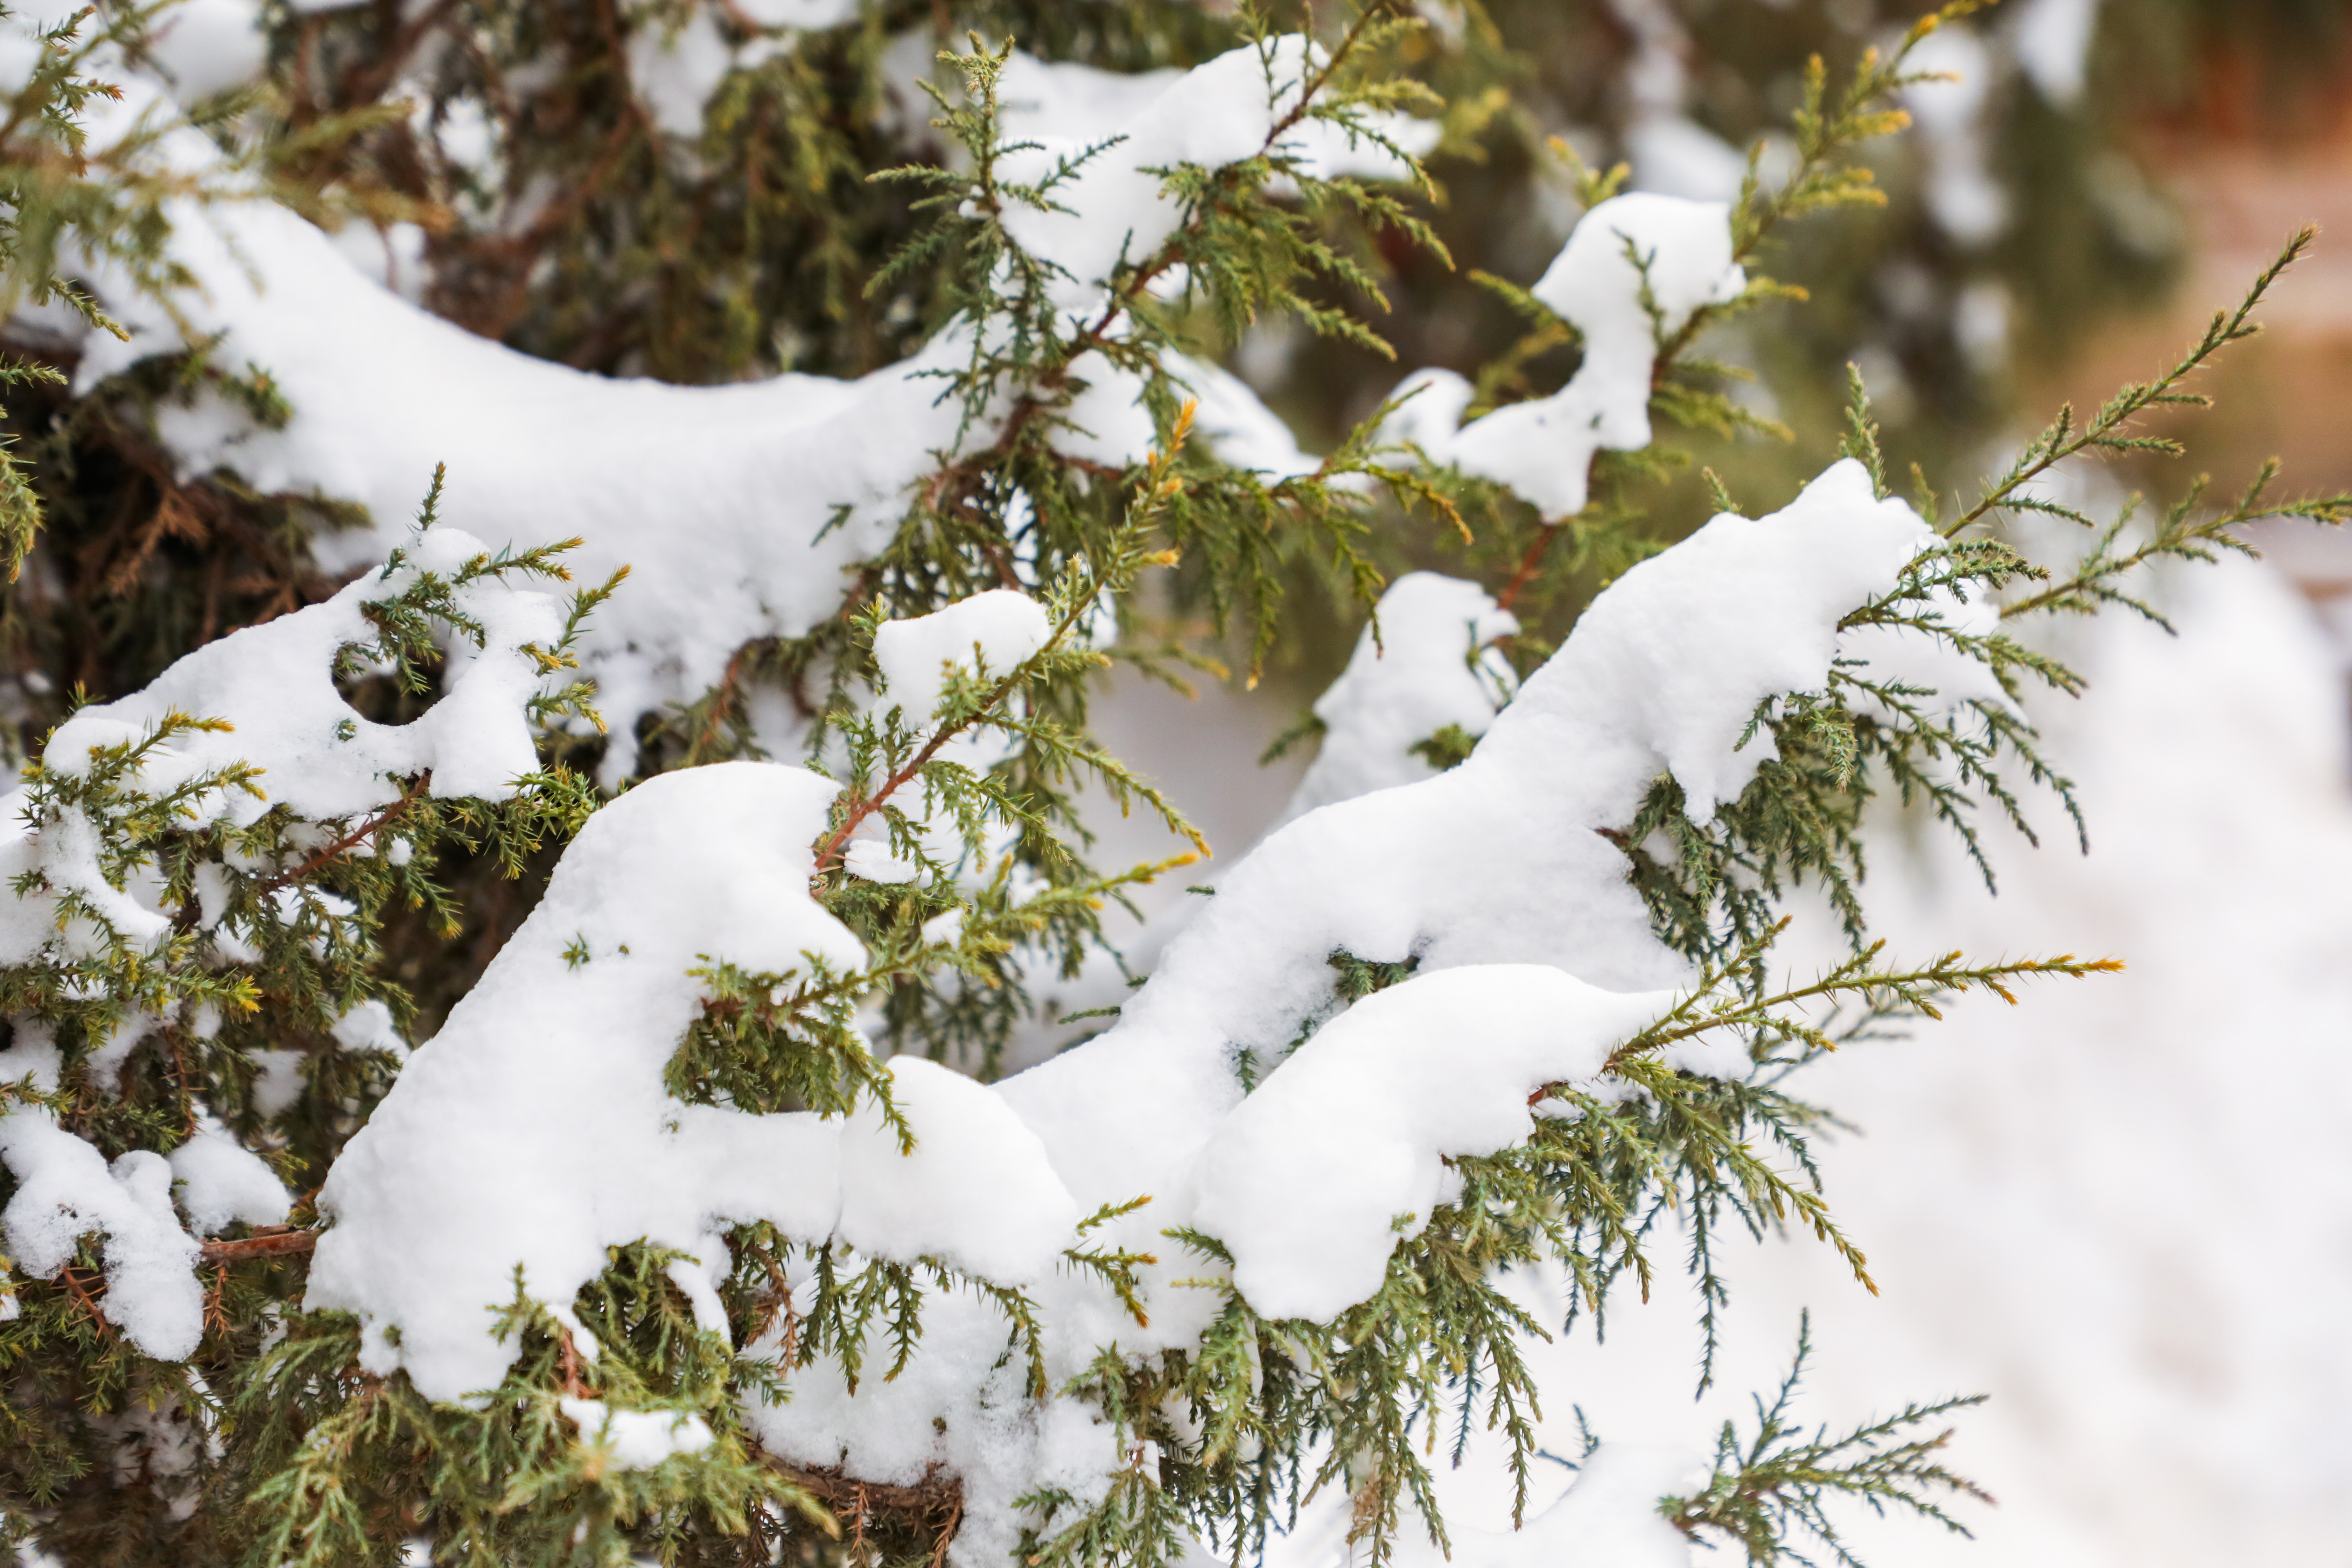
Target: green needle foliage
x=814, y=224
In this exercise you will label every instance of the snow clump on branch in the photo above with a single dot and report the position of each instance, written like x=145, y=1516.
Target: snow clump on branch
x=1633, y=274
x=1489, y=876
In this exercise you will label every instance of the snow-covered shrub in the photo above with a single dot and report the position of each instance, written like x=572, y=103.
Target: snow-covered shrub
x=753, y=1196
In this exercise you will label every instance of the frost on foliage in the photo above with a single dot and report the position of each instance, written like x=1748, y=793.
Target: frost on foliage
x=535, y=1129
x=988, y=634
x=1633, y=273
x=763, y=494
x=1426, y=663
x=1442, y=1065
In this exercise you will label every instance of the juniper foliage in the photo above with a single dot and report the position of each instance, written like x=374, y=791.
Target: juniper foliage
x=799, y=233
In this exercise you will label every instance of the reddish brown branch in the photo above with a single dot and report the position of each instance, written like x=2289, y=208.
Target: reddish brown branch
x=380, y=820
x=830, y=851
x=1527, y=564
x=72, y=1279
x=268, y=1241
x=933, y=1506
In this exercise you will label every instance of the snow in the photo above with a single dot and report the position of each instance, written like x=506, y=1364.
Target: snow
x=985, y=638
x=538, y=452
x=65, y=1191
x=534, y=1128
x=802, y=13
x=2053, y=39
x=274, y=683
x=1607, y=1519
x=1542, y=448
x=676, y=70
x=209, y=46
x=976, y=1191
x=221, y=1182
x=1722, y=601
x=636, y=1439
x=2102, y=1207
x=1677, y=156
x=1106, y=143
x=1963, y=197
x=1496, y=861
x=1369, y=1097
x=792, y=482
x=1426, y=661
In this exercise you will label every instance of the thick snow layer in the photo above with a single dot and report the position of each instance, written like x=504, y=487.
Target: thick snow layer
x=221, y=1182
x=1496, y=861
x=534, y=1130
x=66, y=1191
x=1372, y=1096
x=789, y=482
x=1426, y=661
x=275, y=684
x=987, y=636
x=2098, y=1207
x=1679, y=253
x=538, y=452
x=976, y=1191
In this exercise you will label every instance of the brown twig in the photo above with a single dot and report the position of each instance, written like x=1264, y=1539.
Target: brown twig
x=933, y=1505
x=1527, y=564
x=70, y=1277
x=381, y=819
x=267, y=1241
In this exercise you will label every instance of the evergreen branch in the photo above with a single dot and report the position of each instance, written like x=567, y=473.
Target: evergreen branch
x=1772, y=1490
x=1917, y=988
x=2106, y=431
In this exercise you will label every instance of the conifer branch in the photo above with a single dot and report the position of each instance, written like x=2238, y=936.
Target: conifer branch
x=2108, y=430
